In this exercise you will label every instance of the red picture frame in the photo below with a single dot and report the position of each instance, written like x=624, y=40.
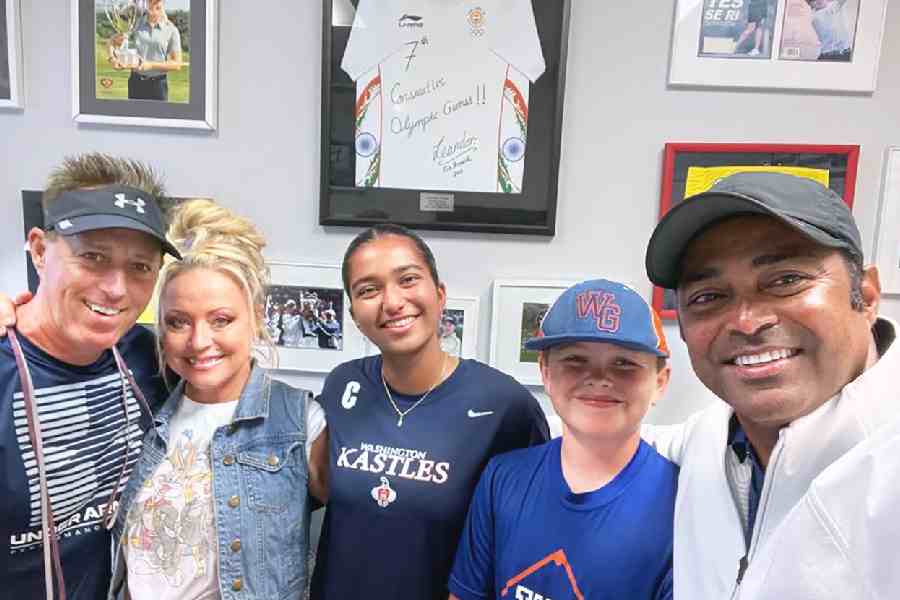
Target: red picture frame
x=840, y=160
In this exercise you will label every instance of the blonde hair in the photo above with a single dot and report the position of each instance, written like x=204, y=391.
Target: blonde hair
x=210, y=236
x=96, y=169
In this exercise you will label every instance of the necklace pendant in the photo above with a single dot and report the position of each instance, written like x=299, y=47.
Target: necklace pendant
x=400, y=421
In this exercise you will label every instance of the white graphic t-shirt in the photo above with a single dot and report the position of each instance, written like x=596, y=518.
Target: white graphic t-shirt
x=442, y=92
x=169, y=541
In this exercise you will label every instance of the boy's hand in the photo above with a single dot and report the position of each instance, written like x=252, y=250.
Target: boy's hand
x=8, y=309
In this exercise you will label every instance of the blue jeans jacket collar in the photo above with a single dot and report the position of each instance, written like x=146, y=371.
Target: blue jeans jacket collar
x=254, y=401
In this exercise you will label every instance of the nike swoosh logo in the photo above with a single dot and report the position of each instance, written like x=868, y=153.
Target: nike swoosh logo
x=473, y=414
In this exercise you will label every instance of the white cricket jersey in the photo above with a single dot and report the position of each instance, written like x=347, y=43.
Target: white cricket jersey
x=442, y=92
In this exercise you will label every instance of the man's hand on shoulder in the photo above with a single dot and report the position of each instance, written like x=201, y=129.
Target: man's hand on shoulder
x=8, y=309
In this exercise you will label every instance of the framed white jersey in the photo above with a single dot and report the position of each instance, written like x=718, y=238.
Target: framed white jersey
x=442, y=90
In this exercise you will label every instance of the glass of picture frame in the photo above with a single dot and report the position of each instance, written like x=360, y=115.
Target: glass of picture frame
x=308, y=318
x=517, y=308
x=690, y=168
x=776, y=44
x=887, y=232
x=12, y=93
x=110, y=85
x=412, y=142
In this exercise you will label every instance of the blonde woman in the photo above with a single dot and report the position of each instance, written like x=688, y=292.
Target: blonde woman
x=217, y=503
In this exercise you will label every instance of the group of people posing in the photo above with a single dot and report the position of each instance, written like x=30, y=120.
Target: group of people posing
x=173, y=465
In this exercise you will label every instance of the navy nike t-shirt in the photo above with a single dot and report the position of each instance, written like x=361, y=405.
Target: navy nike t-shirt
x=399, y=494
x=84, y=432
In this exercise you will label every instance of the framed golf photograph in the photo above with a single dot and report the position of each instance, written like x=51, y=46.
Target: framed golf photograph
x=887, y=232
x=12, y=94
x=145, y=62
x=441, y=115
x=517, y=308
x=692, y=168
x=832, y=45
x=308, y=318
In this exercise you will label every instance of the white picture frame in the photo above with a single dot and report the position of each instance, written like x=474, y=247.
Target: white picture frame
x=688, y=67
x=512, y=303
x=12, y=92
x=89, y=104
x=465, y=310
x=297, y=349
x=887, y=229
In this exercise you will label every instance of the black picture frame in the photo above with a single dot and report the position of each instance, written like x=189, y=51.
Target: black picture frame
x=32, y=216
x=533, y=211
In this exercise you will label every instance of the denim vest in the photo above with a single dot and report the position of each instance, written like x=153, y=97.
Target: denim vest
x=259, y=488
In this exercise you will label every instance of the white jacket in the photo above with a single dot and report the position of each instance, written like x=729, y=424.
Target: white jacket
x=812, y=506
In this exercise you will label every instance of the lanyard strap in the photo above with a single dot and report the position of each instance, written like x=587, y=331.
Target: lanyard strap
x=109, y=516
x=51, y=540
x=52, y=564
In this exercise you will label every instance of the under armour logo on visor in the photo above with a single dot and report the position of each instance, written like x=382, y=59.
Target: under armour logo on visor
x=121, y=201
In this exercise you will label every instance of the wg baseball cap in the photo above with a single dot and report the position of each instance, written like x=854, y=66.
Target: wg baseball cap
x=804, y=204
x=76, y=211
x=600, y=310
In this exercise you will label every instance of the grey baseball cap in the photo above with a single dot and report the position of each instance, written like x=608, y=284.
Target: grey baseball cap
x=804, y=204
x=113, y=206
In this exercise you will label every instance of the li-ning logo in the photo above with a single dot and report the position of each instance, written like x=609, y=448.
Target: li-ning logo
x=410, y=21
x=601, y=306
x=138, y=203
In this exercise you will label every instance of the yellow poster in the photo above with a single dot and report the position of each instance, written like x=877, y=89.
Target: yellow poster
x=700, y=179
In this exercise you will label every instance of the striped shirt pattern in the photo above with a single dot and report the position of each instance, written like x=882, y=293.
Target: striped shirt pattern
x=84, y=430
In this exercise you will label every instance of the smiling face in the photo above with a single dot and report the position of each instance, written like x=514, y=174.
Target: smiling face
x=156, y=11
x=93, y=287
x=767, y=318
x=601, y=390
x=395, y=301
x=207, y=333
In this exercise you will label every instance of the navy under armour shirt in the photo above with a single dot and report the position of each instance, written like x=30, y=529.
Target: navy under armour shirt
x=399, y=495
x=84, y=435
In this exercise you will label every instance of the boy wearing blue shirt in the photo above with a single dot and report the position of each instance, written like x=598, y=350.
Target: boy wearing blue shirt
x=587, y=515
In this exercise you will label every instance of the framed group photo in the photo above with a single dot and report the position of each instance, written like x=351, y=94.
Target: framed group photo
x=11, y=91
x=517, y=308
x=145, y=62
x=830, y=45
x=692, y=168
x=443, y=116
x=887, y=232
x=308, y=318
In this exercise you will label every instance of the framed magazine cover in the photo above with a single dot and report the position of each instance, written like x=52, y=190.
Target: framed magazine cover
x=691, y=168
x=442, y=115
x=12, y=94
x=830, y=45
x=887, y=231
x=517, y=308
x=308, y=318
x=121, y=78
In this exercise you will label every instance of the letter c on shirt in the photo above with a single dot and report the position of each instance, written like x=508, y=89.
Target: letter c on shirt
x=348, y=400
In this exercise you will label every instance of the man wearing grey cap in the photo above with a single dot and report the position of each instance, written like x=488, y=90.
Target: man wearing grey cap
x=787, y=489
x=71, y=376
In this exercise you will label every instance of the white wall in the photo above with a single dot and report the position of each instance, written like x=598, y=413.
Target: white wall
x=264, y=159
